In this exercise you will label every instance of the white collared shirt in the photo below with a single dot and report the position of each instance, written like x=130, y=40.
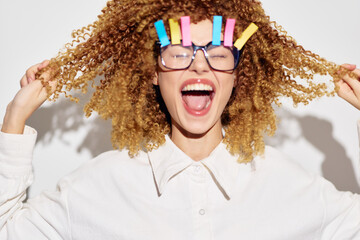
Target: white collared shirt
x=166, y=195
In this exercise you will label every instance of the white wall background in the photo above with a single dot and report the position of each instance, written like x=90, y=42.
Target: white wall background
x=322, y=136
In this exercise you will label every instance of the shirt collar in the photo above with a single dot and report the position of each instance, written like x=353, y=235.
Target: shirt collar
x=168, y=161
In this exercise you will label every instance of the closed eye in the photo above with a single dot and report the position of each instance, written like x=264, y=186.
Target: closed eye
x=218, y=56
x=181, y=56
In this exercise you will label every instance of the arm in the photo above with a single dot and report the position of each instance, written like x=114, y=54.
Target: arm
x=342, y=209
x=46, y=216
x=30, y=97
x=342, y=213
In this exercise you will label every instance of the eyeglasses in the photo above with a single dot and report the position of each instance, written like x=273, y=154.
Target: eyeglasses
x=218, y=57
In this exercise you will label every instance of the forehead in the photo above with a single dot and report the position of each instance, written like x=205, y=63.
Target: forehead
x=201, y=32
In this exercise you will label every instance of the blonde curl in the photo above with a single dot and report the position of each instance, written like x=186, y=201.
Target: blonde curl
x=119, y=47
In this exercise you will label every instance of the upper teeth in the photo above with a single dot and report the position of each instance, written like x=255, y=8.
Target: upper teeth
x=197, y=87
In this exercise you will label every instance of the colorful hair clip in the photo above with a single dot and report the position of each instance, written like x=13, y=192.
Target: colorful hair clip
x=174, y=31
x=161, y=32
x=229, y=32
x=185, y=31
x=249, y=31
x=217, y=27
x=217, y=24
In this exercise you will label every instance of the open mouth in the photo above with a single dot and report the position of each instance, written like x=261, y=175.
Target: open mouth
x=197, y=96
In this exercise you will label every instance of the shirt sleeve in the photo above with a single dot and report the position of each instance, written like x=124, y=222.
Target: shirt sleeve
x=342, y=211
x=44, y=217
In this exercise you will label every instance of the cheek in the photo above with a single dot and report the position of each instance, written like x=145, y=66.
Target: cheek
x=226, y=95
x=227, y=86
x=227, y=83
x=168, y=88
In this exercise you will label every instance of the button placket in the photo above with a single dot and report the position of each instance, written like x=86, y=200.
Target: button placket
x=198, y=183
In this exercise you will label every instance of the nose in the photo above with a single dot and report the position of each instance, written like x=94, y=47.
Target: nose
x=199, y=63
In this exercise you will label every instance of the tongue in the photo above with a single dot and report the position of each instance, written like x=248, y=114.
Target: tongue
x=196, y=102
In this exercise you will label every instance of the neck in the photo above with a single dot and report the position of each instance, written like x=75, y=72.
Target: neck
x=197, y=146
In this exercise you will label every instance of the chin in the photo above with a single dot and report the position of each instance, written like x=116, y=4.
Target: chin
x=196, y=127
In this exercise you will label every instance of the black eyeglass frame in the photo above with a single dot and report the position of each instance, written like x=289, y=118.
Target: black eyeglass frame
x=236, y=52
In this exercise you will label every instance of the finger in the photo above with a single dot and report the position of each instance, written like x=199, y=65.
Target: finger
x=30, y=73
x=46, y=75
x=357, y=72
x=44, y=64
x=346, y=92
x=353, y=83
x=30, y=92
x=344, y=88
x=43, y=94
x=23, y=82
x=37, y=92
x=348, y=66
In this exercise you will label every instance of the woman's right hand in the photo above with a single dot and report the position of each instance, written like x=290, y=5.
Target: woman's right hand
x=29, y=98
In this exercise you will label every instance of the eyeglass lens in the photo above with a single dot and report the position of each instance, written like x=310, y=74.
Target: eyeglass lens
x=180, y=57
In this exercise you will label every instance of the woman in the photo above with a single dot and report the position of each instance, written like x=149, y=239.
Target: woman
x=192, y=163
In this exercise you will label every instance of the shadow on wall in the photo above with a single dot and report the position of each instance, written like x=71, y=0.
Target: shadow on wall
x=63, y=117
x=337, y=166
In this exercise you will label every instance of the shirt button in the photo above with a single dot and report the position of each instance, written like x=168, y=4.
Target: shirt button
x=197, y=169
x=201, y=211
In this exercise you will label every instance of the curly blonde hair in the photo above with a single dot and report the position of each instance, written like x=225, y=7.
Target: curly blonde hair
x=119, y=47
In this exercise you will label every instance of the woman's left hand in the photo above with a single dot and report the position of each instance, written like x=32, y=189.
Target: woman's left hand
x=349, y=88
